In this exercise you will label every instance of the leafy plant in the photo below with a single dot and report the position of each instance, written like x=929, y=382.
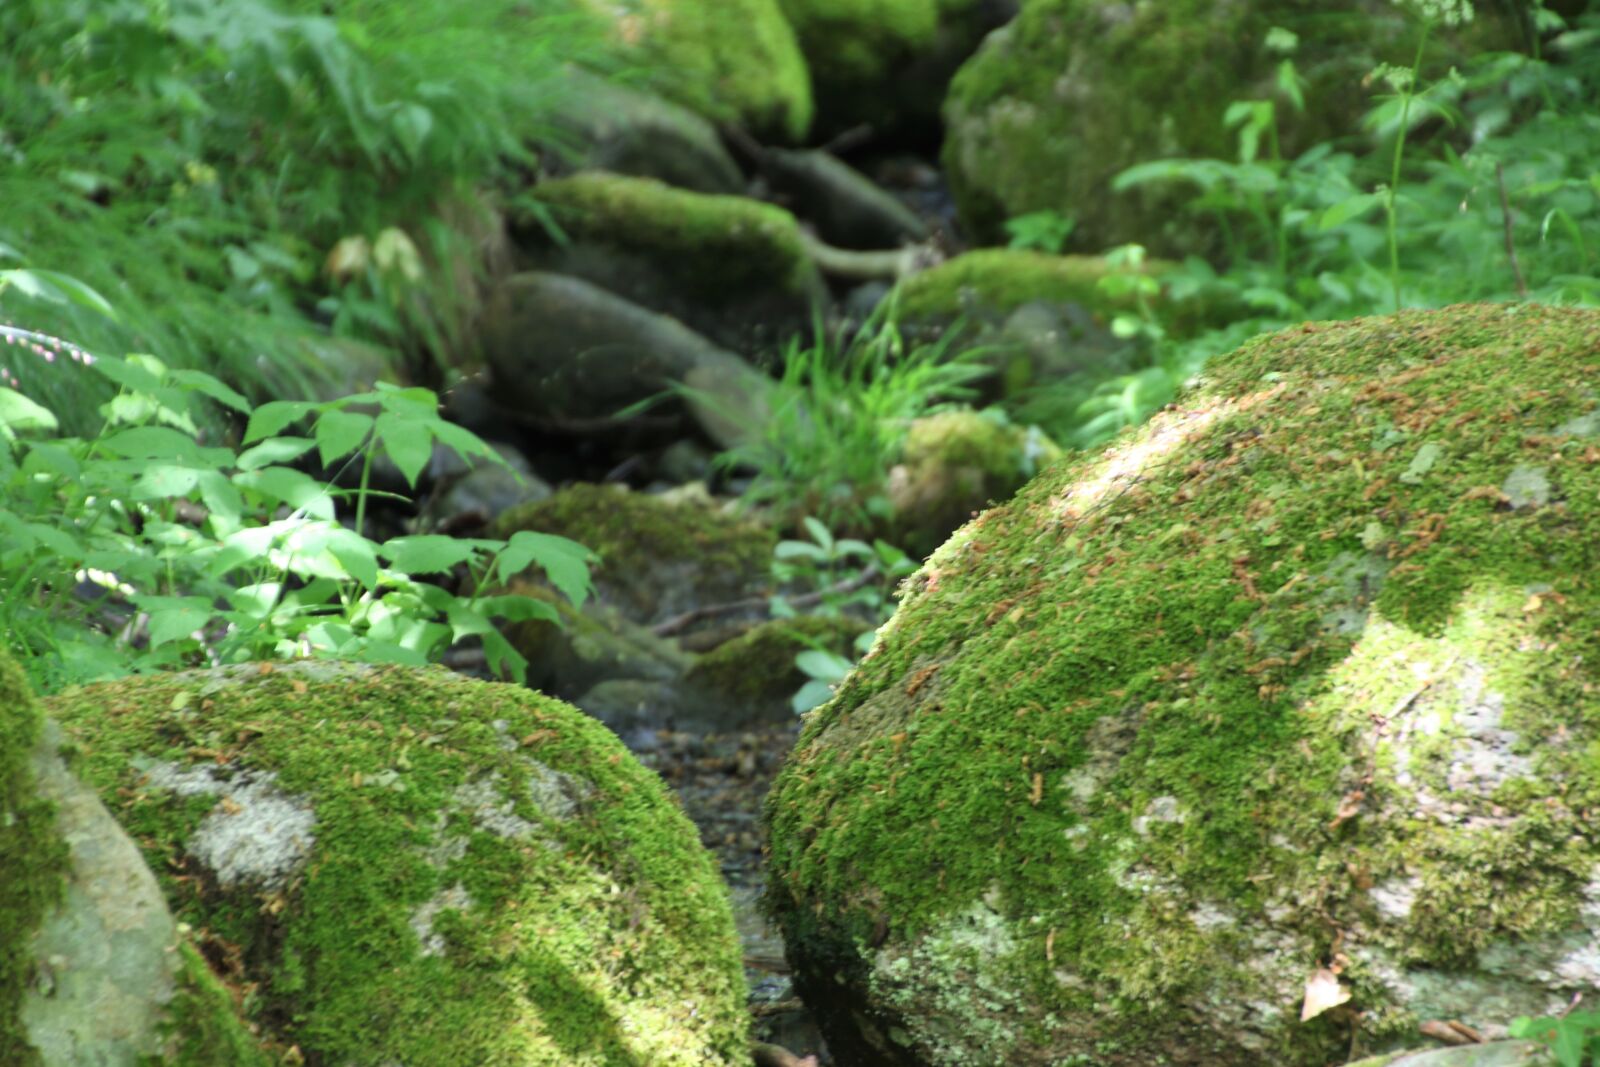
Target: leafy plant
x=144, y=547
x=839, y=577
x=1043, y=231
x=1574, y=1038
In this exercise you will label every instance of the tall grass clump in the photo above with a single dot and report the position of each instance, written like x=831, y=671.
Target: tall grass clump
x=837, y=417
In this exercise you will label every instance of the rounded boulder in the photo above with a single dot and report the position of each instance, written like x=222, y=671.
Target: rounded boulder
x=412, y=867
x=1265, y=735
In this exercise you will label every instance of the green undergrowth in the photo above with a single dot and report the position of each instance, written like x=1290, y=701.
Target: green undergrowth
x=591, y=931
x=197, y=162
x=1185, y=604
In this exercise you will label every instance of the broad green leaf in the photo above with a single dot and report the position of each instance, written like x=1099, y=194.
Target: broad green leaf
x=175, y=618
x=274, y=451
x=1351, y=207
x=408, y=441
x=466, y=443
x=19, y=413
x=564, y=561
x=516, y=608
x=273, y=416
x=826, y=666
x=127, y=375
x=257, y=600
x=48, y=458
x=222, y=500
x=819, y=533
x=504, y=660
x=57, y=540
x=205, y=384
x=152, y=442
x=57, y=288
x=163, y=481
x=812, y=695
x=799, y=550
x=289, y=486
x=339, y=433
x=431, y=553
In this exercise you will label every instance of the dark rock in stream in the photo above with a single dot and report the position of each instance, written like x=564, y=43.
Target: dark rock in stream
x=845, y=206
x=628, y=130
x=567, y=354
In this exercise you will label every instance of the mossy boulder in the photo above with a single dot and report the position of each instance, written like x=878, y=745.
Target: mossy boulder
x=955, y=464
x=626, y=129
x=92, y=968
x=660, y=555
x=734, y=61
x=412, y=867
x=885, y=62
x=1037, y=317
x=753, y=678
x=1057, y=103
x=729, y=267
x=1294, y=687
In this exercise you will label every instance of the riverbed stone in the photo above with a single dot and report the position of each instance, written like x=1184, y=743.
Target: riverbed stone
x=1252, y=703
x=731, y=268
x=93, y=969
x=734, y=61
x=627, y=129
x=412, y=867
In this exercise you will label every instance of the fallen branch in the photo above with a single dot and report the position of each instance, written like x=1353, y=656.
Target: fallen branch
x=765, y=1055
x=847, y=263
x=678, y=623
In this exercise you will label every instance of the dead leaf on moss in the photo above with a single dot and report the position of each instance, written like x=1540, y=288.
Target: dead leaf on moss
x=1323, y=991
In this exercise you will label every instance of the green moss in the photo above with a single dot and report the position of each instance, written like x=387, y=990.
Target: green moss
x=205, y=1029
x=758, y=667
x=718, y=246
x=32, y=855
x=1054, y=106
x=570, y=915
x=998, y=280
x=1122, y=712
x=733, y=61
x=856, y=41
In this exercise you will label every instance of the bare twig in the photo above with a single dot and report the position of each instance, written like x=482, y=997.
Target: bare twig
x=678, y=623
x=778, y=1007
x=1511, y=245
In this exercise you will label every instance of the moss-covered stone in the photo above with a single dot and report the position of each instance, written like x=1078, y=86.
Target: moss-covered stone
x=1072, y=92
x=733, y=61
x=92, y=967
x=1301, y=675
x=31, y=853
x=955, y=464
x=1036, y=317
x=754, y=676
x=724, y=265
x=412, y=867
x=993, y=281
x=659, y=557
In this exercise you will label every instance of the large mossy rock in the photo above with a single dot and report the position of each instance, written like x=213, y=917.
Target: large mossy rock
x=729, y=267
x=624, y=129
x=93, y=972
x=412, y=867
x=1057, y=103
x=734, y=61
x=1303, y=676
